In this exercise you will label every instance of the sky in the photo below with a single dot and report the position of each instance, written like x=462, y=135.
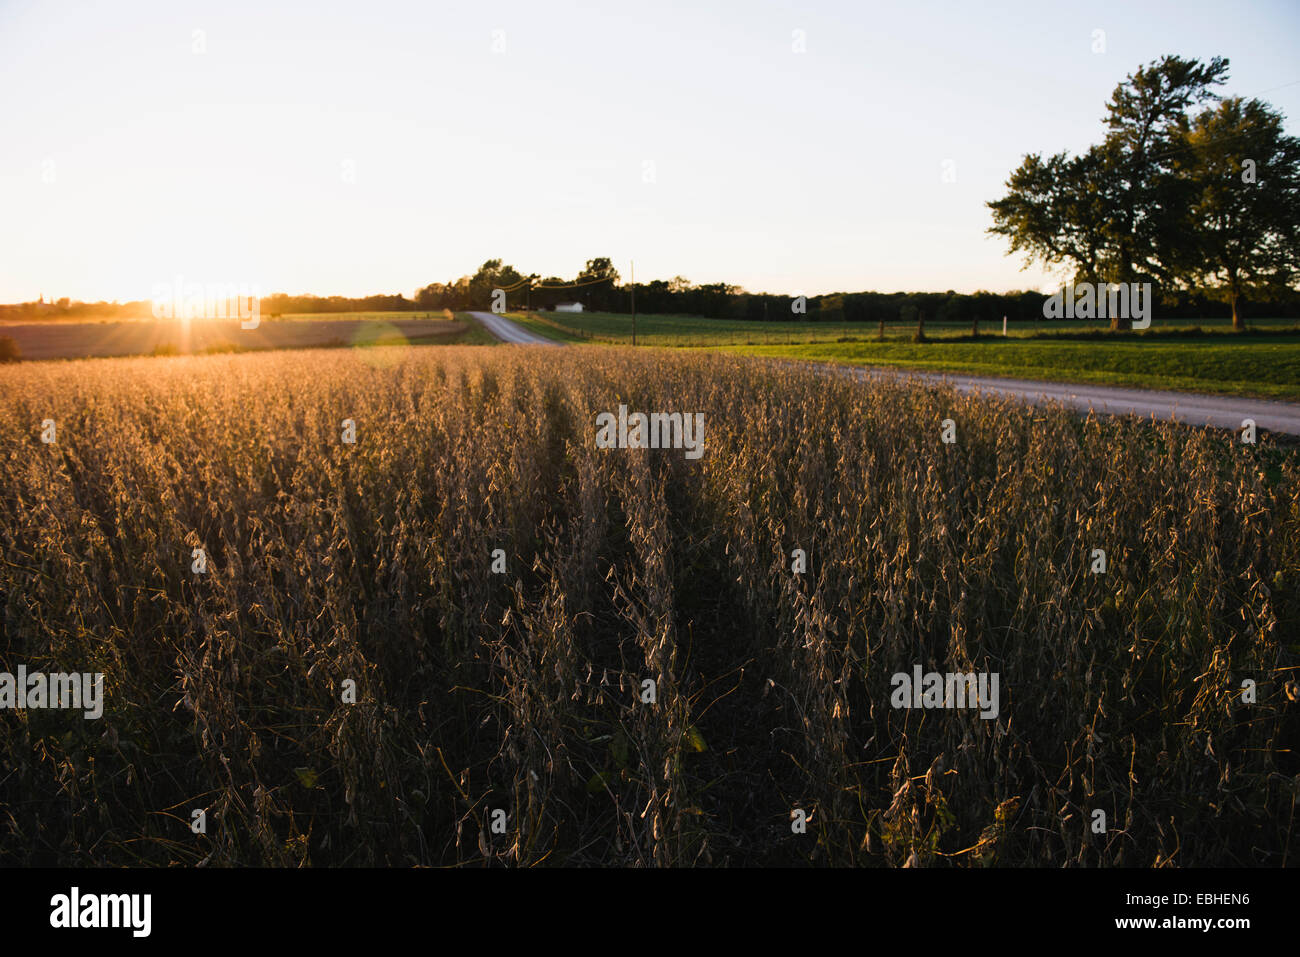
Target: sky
x=362, y=148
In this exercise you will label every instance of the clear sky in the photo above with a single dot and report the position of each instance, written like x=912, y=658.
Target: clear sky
x=373, y=147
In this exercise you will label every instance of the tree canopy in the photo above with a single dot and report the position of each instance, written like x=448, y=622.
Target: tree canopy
x=1158, y=199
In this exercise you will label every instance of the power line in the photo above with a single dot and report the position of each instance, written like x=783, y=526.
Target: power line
x=1224, y=139
x=572, y=285
x=1272, y=88
x=575, y=285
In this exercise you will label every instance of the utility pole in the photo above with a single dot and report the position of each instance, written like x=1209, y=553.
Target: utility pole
x=633, y=271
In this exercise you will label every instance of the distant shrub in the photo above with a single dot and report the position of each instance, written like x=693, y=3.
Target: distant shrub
x=165, y=349
x=9, y=351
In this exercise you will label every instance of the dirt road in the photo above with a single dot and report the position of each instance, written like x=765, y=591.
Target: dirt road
x=509, y=331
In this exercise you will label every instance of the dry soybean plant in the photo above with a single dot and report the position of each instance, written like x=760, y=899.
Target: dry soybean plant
x=436, y=624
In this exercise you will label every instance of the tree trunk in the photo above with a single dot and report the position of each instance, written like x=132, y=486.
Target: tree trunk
x=975, y=328
x=1119, y=323
x=920, y=326
x=1234, y=296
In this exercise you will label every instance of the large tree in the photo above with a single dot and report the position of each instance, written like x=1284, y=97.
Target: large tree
x=596, y=283
x=492, y=275
x=1244, y=174
x=1144, y=118
x=1115, y=213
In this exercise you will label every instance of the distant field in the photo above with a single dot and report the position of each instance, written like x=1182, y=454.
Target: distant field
x=65, y=340
x=146, y=317
x=659, y=330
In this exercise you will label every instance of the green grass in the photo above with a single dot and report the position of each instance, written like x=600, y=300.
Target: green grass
x=1264, y=367
x=688, y=331
x=476, y=334
x=545, y=324
x=660, y=330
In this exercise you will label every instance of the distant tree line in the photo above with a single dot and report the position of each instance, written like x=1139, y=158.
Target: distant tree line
x=278, y=304
x=598, y=288
x=678, y=296
x=1026, y=306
